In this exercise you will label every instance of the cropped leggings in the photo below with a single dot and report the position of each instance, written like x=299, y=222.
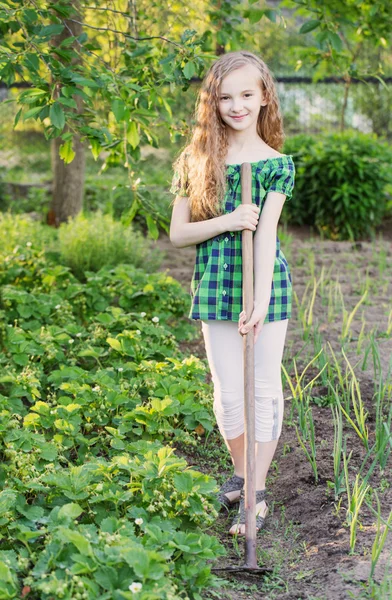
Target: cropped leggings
x=225, y=354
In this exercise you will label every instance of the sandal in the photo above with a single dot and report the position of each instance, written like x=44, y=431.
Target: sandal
x=233, y=484
x=239, y=519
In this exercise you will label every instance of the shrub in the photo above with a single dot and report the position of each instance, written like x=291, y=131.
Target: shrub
x=340, y=183
x=16, y=231
x=89, y=243
x=95, y=395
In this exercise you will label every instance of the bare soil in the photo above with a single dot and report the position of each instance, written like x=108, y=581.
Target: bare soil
x=305, y=540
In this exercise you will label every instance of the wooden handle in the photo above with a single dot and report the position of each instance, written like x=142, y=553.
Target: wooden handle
x=249, y=378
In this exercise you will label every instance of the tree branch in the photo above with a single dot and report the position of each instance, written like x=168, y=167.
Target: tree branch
x=107, y=29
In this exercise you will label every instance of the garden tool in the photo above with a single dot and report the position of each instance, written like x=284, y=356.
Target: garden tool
x=250, y=563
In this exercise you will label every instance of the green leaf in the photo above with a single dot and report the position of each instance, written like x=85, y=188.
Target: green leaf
x=183, y=482
x=90, y=83
x=310, y=25
x=119, y=109
x=115, y=344
x=50, y=30
x=30, y=96
x=32, y=61
x=67, y=101
x=133, y=134
x=5, y=576
x=70, y=511
x=132, y=212
x=32, y=112
x=21, y=359
x=48, y=451
x=67, y=152
x=152, y=228
x=7, y=499
x=57, y=116
x=77, y=539
x=270, y=14
x=335, y=41
x=189, y=70
x=95, y=148
x=17, y=117
x=254, y=15
x=106, y=577
x=33, y=513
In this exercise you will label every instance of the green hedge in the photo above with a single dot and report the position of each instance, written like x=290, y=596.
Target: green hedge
x=340, y=183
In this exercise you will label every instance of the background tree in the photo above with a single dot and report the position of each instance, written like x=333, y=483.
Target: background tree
x=101, y=78
x=346, y=37
x=68, y=176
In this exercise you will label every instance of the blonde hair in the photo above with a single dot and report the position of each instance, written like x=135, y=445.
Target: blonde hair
x=200, y=168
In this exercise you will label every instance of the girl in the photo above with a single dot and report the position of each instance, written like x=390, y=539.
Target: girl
x=238, y=120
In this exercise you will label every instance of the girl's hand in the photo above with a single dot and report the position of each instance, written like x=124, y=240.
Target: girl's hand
x=256, y=320
x=245, y=216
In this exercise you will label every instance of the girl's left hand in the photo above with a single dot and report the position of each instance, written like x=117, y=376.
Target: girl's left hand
x=256, y=320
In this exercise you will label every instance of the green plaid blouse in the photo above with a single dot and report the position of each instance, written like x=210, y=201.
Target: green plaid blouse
x=216, y=286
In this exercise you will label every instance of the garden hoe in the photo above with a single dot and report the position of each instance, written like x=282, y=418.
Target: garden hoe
x=250, y=564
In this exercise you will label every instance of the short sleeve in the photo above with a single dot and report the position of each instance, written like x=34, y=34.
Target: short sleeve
x=282, y=177
x=176, y=187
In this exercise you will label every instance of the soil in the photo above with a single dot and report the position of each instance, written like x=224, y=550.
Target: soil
x=305, y=540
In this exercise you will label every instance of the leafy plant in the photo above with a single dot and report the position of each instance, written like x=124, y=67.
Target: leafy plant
x=340, y=183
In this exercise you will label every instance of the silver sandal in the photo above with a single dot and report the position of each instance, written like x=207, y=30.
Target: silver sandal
x=233, y=484
x=239, y=519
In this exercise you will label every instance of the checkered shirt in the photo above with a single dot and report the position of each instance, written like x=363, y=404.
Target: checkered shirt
x=216, y=286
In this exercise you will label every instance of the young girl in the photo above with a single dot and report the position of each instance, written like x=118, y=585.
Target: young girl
x=238, y=120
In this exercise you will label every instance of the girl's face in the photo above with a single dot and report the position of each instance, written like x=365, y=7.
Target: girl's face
x=240, y=96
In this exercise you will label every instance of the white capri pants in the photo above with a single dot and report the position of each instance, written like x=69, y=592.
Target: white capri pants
x=225, y=353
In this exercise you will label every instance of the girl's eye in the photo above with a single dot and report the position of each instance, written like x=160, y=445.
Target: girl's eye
x=224, y=97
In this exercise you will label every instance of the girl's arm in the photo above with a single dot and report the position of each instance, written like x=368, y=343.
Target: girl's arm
x=264, y=248
x=183, y=233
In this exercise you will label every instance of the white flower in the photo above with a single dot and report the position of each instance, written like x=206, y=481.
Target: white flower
x=139, y=521
x=155, y=319
x=78, y=334
x=120, y=369
x=99, y=487
x=96, y=388
x=57, y=306
x=71, y=341
x=143, y=314
x=135, y=587
x=29, y=244
x=138, y=332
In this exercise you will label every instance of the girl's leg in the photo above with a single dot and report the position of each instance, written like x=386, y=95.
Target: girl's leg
x=268, y=401
x=224, y=349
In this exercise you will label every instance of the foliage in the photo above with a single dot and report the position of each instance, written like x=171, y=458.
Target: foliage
x=344, y=35
x=94, y=396
x=89, y=243
x=103, y=74
x=340, y=183
x=350, y=40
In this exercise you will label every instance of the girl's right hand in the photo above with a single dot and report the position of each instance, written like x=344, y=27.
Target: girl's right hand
x=245, y=216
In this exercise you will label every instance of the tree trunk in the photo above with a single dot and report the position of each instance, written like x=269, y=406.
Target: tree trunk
x=345, y=101
x=68, y=179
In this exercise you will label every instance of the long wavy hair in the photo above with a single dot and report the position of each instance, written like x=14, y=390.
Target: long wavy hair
x=200, y=168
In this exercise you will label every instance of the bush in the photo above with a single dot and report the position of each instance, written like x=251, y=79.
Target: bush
x=88, y=244
x=340, y=183
x=95, y=395
x=18, y=231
